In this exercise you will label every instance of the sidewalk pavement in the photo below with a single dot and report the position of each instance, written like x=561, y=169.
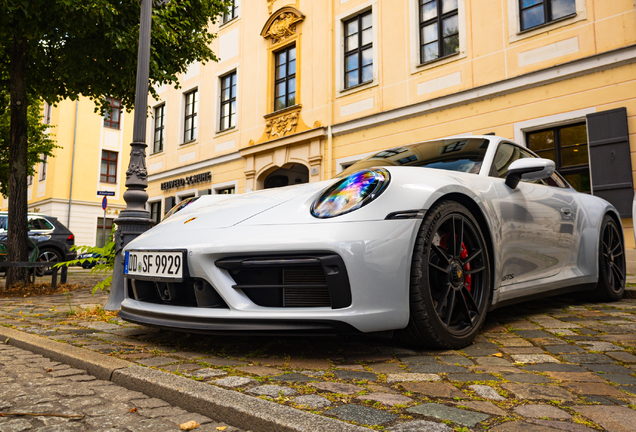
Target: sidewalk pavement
x=76, y=401
x=551, y=364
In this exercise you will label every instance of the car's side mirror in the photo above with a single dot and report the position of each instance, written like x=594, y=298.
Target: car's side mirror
x=529, y=169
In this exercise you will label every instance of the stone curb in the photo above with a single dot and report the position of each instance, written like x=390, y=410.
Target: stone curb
x=237, y=409
x=99, y=365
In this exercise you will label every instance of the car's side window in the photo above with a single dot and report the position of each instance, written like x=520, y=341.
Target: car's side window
x=3, y=223
x=46, y=224
x=507, y=154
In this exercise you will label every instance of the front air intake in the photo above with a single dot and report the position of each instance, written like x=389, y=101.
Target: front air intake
x=299, y=281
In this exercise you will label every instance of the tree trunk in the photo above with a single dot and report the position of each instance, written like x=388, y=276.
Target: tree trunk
x=18, y=160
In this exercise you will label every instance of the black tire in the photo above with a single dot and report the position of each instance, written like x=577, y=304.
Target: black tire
x=47, y=255
x=611, y=262
x=439, y=272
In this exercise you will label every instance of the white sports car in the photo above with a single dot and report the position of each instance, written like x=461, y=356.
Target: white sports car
x=422, y=239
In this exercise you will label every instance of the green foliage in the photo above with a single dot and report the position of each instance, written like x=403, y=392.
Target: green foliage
x=39, y=142
x=89, y=47
x=104, y=264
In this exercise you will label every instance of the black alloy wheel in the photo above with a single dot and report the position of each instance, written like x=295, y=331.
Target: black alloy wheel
x=450, y=282
x=612, y=266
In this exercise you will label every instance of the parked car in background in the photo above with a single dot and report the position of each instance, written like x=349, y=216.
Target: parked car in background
x=89, y=264
x=51, y=236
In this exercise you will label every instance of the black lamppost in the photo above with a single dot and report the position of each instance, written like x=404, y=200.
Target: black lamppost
x=135, y=219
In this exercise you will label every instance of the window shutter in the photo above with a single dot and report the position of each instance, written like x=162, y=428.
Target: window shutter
x=610, y=159
x=170, y=202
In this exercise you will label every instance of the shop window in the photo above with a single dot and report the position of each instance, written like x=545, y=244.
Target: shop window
x=226, y=191
x=103, y=234
x=155, y=211
x=567, y=147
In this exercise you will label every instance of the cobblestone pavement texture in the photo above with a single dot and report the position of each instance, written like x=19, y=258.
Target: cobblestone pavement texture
x=30, y=383
x=554, y=364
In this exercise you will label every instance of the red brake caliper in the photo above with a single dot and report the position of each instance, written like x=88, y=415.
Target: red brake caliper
x=443, y=243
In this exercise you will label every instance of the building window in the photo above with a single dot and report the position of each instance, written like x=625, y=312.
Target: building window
x=109, y=167
x=155, y=211
x=537, y=12
x=567, y=147
x=112, y=116
x=43, y=164
x=103, y=234
x=226, y=191
x=228, y=101
x=160, y=118
x=285, y=84
x=191, y=121
x=47, y=113
x=358, y=54
x=439, y=29
x=29, y=180
x=231, y=12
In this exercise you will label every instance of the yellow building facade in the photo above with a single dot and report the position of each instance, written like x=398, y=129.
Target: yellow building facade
x=85, y=140
x=304, y=88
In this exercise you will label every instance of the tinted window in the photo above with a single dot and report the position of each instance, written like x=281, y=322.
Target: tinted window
x=453, y=155
x=507, y=154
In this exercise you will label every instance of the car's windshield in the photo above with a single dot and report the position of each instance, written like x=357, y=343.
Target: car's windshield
x=465, y=155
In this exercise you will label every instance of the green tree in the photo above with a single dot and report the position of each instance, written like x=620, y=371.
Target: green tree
x=39, y=143
x=58, y=49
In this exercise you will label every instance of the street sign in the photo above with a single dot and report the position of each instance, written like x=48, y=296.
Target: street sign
x=106, y=193
x=104, y=203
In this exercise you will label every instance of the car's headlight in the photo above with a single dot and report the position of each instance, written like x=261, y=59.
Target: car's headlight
x=350, y=193
x=183, y=204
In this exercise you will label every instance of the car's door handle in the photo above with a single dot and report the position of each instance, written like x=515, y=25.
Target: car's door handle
x=566, y=211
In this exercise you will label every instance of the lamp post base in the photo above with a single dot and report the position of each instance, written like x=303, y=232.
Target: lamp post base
x=130, y=224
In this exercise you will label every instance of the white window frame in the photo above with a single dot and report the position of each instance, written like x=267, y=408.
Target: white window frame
x=151, y=131
x=216, y=115
x=232, y=20
x=371, y=5
x=234, y=183
x=185, y=91
x=414, y=13
x=556, y=120
x=159, y=199
x=180, y=196
x=514, y=21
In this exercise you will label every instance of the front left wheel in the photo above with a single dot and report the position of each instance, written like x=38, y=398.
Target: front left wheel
x=450, y=279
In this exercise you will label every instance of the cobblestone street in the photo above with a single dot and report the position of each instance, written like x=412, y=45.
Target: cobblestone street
x=30, y=383
x=556, y=364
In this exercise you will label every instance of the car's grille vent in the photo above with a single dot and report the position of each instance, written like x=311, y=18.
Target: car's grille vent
x=190, y=293
x=308, y=275
x=306, y=297
x=291, y=281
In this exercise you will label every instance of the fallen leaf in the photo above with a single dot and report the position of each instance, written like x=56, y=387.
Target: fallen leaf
x=189, y=425
x=498, y=355
x=221, y=428
x=133, y=409
x=21, y=311
x=49, y=370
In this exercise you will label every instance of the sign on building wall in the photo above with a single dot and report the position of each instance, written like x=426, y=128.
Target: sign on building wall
x=190, y=180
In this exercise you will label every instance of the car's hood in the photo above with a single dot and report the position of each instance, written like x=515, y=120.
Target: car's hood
x=223, y=211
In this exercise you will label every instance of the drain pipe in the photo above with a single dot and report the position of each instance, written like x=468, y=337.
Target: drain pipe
x=70, y=192
x=331, y=90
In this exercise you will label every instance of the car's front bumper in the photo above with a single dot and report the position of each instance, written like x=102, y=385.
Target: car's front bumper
x=377, y=256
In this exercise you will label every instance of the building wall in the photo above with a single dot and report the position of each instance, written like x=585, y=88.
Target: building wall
x=502, y=80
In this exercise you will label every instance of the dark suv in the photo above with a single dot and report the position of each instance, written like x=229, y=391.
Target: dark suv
x=51, y=236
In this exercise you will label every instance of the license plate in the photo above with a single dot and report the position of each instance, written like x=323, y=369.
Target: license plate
x=166, y=265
